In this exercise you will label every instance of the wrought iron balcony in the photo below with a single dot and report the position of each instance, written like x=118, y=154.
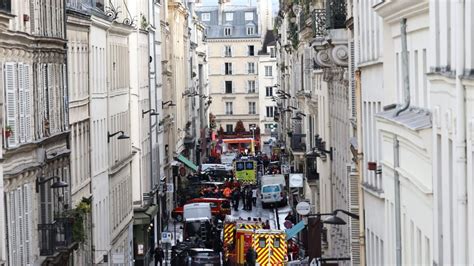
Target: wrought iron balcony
x=6, y=5
x=319, y=22
x=56, y=236
x=336, y=14
x=80, y=5
x=298, y=143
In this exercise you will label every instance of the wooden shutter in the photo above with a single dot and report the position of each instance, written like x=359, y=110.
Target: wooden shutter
x=12, y=234
x=11, y=102
x=28, y=103
x=20, y=224
x=27, y=219
x=21, y=103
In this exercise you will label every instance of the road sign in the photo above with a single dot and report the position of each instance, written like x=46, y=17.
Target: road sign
x=296, y=180
x=166, y=237
x=170, y=188
x=290, y=233
x=118, y=258
x=303, y=208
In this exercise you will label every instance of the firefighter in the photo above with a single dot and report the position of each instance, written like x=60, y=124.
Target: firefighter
x=236, y=199
x=248, y=196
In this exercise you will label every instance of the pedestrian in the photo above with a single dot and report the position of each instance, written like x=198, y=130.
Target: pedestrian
x=290, y=217
x=250, y=257
x=249, y=199
x=254, y=196
x=266, y=225
x=159, y=255
x=235, y=199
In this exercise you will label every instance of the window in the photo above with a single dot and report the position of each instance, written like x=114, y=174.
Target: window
x=252, y=108
x=268, y=71
x=251, y=86
x=269, y=91
x=228, y=68
x=272, y=52
x=206, y=16
x=18, y=102
x=251, y=50
x=269, y=111
x=250, y=30
x=229, y=108
x=227, y=31
x=276, y=242
x=251, y=68
x=228, y=51
x=229, y=16
x=230, y=128
x=228, y=86
x=248, y=15
x=262, y=242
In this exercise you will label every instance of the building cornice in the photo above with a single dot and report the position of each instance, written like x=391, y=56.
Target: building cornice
x=100, y=22
x=392, y=11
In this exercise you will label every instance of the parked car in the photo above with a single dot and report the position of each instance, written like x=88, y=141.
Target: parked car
x=196, y=257
x=220, y=207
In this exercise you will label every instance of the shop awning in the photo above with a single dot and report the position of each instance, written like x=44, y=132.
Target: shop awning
x=144, y=216
x=187, y=162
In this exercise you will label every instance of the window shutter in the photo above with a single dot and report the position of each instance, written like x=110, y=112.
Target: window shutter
x=27, y=221
x=247, y=68
x=256, y=86
x=247, y=86
x=20, y=224
x=352, y=79
x=223, y=69
x=65, y=97
x=50, y=98
x=11, y=102
x=21, y=103
x=223, y=86
x=28, y=103
x=12, y=235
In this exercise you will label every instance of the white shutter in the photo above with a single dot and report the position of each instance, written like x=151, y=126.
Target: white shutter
x=223, y=86
x=256, y=86
x=247, y=86
x=20, y=224
x=40, y=71
x=12, y=242
x=28, y=102
x=21, y=103
x=247, y=68
x=65, y=98
x=223, y=69
x=50, y=98
x=27, y=222
x=11, y=102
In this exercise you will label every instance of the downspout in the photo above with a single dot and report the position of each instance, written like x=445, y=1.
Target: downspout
x=398, y=227
x=360, y=163
x=460, y=138
x=405, y=76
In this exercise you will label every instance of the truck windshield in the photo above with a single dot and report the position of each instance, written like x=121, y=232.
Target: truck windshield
x=192, y=228
x=268, y=189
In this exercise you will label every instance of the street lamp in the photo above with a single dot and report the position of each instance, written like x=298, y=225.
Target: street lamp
x=58, y=184
x=167, y=103
x=122, y=135
x=151, y=111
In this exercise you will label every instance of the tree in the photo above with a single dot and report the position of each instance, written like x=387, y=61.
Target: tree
x=239, y=127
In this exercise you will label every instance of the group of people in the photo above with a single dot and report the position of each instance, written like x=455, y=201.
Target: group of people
x=248, y=195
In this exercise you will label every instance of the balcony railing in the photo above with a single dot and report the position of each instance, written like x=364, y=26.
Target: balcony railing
x=336, y=14
x=56, y=236
x=319, y=22
x=80, y=5
x=298, y=143
x=6, y=5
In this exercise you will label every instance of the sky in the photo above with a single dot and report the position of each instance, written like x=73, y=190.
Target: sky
x=240, y=2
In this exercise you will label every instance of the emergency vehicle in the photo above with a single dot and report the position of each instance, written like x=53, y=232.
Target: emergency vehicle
x=269, y=245
x=246, y=171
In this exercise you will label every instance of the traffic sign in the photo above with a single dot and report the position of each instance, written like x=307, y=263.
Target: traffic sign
x=303, y=208
x=166, y=237
x=296, y=180
x=170, y=188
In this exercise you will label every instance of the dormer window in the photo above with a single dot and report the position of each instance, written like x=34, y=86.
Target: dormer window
x=250, y=30
x=227, y=31
x=206, y=16
x=248, y=16
x=229, y=16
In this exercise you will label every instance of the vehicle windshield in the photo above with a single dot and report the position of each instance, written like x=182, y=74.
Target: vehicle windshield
x=268, y=189
x=192, y=228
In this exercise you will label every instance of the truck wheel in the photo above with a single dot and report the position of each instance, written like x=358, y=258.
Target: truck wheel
x=179, y=217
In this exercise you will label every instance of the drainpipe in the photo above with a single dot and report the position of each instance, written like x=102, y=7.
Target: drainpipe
x=398, y=226
x=460, y=142
x=405, y=76
x=360, y=164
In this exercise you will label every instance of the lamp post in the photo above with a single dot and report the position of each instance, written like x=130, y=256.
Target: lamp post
x=314, y=224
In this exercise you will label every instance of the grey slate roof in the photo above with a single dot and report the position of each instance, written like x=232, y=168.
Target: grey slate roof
x=413, y=118
x=269, y=40
x=215, y=30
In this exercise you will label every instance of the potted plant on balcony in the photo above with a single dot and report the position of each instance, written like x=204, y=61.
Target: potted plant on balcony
x=8, y=132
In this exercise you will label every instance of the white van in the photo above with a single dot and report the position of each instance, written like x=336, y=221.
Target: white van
x=272, y=190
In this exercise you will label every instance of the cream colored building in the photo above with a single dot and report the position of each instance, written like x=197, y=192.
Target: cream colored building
x=234, y=41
